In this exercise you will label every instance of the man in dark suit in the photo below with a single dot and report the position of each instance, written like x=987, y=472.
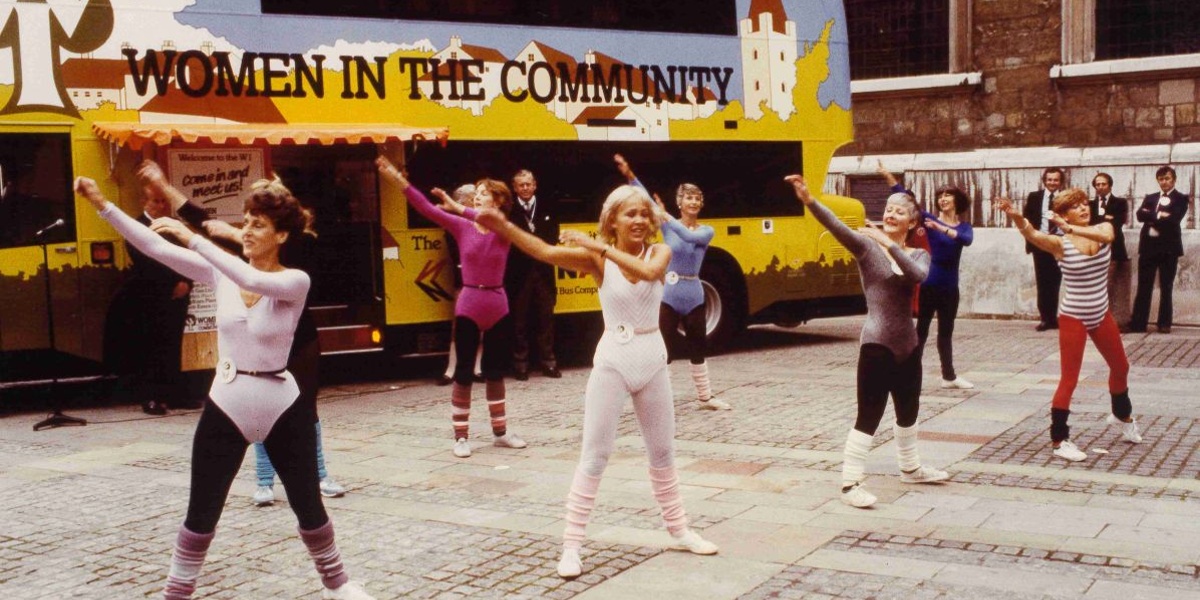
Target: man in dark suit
x=145, y=326
x=1107, y=208
x=1045, y=268
x=531, y=285
x=1159, y=248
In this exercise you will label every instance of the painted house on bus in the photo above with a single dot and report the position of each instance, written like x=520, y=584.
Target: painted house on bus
x=448, y=84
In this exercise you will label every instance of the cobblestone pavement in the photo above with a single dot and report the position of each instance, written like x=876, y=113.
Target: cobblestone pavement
x=92, y=512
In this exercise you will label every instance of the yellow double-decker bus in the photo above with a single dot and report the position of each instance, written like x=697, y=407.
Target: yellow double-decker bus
x=730, y=95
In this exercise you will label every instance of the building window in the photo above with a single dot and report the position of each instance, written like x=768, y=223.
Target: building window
x=1141, y=28
x=898, y=38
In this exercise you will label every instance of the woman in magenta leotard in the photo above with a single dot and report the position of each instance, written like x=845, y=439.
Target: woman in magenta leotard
x=482, y=306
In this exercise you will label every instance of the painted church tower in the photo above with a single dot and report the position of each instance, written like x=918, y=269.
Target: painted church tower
x=768, y=59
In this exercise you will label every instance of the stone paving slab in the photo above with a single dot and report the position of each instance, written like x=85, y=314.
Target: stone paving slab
x=92, y=512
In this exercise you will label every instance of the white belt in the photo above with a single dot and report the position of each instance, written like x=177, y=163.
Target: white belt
x=623, y=333
x=673, y=277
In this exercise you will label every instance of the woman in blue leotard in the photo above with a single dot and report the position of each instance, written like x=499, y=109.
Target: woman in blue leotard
x=683, y=296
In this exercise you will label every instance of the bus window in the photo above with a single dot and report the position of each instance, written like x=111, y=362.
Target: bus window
x=739, y=179
x=696, y=16
x=35, y=189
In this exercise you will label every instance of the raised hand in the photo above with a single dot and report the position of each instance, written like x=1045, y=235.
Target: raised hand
x=216, y=228
x=573, y=237
x=491, y=218
x=87, y=188
x=1006, y=206
x=877, y=235
x=389, y=171
x=170, y=227
x=800, y=187
x=151, y=174
x=623, y=167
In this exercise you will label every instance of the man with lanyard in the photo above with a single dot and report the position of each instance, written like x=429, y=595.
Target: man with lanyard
x=531, y=284
x=1045, y=268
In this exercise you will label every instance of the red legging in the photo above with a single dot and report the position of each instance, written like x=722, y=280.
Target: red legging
x=1072, y=335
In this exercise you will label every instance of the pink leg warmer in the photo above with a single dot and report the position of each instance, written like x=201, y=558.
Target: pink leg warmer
x=580, y=502
x=325, y=555
x=190, y=550
x=665, y=484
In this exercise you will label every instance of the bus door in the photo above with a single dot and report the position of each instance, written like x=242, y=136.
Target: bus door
x=338, y=183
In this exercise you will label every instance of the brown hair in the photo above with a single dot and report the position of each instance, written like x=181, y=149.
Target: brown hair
x=961, y=203
x=499, y=191
x=1068, y=199
x=271, y=199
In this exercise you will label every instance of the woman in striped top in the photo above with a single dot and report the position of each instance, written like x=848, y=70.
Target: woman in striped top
x=1083, y=254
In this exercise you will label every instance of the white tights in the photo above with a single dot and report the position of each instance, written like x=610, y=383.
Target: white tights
x=602, y=406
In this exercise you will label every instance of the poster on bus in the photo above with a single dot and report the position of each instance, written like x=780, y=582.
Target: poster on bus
x=215, y=180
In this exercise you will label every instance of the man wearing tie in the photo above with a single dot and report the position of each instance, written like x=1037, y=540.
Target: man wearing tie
x=1159, y=248
x=1045, y=267
x=1107, y=208
x=531, y=285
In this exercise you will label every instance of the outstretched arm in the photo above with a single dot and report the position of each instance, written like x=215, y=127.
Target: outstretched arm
x=1042, y=241
x=642, y=270
x=289, y=284
x=570, y=258
x=1101, y=232
x=853, y=241
x=182, y=261
x=701, y=236
x=389, y=172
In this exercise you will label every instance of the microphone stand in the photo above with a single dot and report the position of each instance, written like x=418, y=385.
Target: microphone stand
x=56, y=417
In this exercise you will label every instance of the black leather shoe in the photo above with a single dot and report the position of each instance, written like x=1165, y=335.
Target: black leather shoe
x=522, y=375
x=1132, y=329
x=443, y=380
x=552, y=372
x=154, y=407
x=1043, y=327
x=479, y=378
x=1166, y=329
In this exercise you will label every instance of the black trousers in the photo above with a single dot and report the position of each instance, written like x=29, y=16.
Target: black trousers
x=880, y=373
x=693, y=341
x=497, y=344
x=1165, y=267
x=1049, y=280
x=531, y=305
x=217, y=452
x=942, y=302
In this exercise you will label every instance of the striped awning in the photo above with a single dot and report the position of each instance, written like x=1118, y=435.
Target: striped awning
x=136, y=135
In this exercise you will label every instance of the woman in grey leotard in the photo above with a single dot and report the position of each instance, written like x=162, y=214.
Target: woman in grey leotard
x=888, y=360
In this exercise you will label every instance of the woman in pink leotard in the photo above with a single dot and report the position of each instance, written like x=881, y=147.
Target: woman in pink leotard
x=482, y=306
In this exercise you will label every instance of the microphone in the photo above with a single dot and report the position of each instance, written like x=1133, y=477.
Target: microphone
x=54, y=225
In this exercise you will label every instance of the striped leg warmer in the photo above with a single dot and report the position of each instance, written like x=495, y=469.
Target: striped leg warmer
x=190, y=550
x=325, y=555
x=495, y=400
x=460, y=409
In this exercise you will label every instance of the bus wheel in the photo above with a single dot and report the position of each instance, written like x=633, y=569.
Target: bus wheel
x=725, y=302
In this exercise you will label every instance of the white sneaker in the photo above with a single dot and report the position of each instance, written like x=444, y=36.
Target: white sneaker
x=462, y=448
x=1069, y=451
x=264, y=495
x=958, y=383
x=858, y=497
x=1129, y=431
x=348, y=591
x=692, y=542
x=714, y=404
x=570, y=565
x=924, y=474
x=510, y=440
x=331, y=488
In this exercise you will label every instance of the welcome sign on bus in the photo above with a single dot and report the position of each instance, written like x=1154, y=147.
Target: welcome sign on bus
x=214, y=179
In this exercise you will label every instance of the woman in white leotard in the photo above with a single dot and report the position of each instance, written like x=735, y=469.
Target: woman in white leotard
x=253, y=397
x=630, y=360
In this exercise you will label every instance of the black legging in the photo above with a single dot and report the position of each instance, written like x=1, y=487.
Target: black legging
x=304, y=364
x=217, y=452
x=943, y=302
x=497, y=349
x=880, y=374
x=695, y=344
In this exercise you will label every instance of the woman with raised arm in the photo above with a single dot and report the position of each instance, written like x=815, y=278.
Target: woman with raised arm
x=305, y=354
x=948, y=233
x=482, y=305
x=630, y=359
x=888, y=358
x=1083, y=255
x=253, y=397
x=683, y=297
